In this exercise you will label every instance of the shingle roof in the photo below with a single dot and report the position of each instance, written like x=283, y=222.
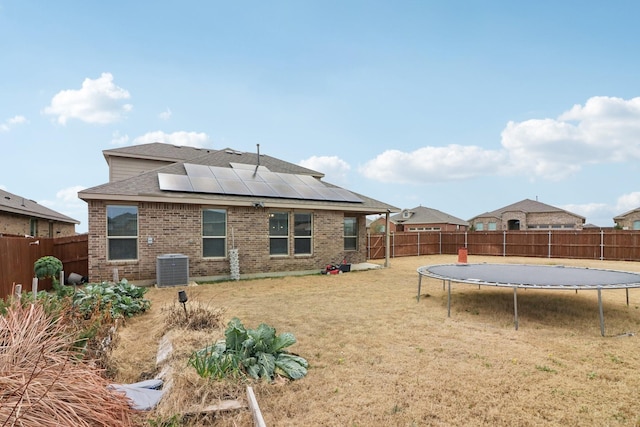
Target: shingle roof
x=145, y=186
x=157, y=151
x=21, y=206
x=527, y=206
x=424, y=215
x=623, y=215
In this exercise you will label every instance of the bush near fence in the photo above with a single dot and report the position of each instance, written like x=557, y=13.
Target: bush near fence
x=602, y=244
x=18, y=255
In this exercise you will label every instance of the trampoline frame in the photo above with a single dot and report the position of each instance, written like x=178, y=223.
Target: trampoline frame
x=424, y=271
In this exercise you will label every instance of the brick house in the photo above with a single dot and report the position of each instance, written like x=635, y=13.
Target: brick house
x=527, y=215
x=23, y=217
x=427, y=219
x=628, y=220
x=201, y=203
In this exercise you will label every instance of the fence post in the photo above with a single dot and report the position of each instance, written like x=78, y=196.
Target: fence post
x=601, y=244
x=440, y=243
x=504, y=242
x=549, y=250
x=418, y=243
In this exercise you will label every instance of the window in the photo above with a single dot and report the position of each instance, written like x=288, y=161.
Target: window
x=492, y=226
x=33, y=227
x=636, y=225
x=302, y=232
x=350, y=233
x=479, y=226
x=214, y=233
x=278, y=233
x=122, y=232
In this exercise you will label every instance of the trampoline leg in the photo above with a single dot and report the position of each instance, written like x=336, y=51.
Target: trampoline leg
x=443, y=284
x=449, y=301
x=419, y=286
x=601, y=312
x=627, y=296
x=515, y=307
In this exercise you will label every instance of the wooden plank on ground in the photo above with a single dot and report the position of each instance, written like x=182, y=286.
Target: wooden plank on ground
x=258, y=421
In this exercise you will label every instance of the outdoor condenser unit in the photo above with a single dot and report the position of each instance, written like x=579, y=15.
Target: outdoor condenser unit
x=172, y=270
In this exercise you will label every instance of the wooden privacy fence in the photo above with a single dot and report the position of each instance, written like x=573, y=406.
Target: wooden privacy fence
x=602, y=244
x=18, y=255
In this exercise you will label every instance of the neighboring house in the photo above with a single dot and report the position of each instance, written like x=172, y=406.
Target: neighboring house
x=200, y=203
x=527, y=215
x=24, y=217
x=427, y=219
x=628, y=220
x=379, y=225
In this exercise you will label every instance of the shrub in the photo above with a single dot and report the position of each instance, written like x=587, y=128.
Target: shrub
x=259, y=353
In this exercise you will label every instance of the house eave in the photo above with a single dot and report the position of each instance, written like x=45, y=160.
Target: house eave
x=265, y=203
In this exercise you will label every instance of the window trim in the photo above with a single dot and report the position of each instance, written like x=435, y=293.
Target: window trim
x=350, y=237
x=223, y=237
x=285, y=237
x=135, y=238
x=309, y=237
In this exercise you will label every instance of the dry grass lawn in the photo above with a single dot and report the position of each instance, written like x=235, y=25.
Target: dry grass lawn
x=380, y=358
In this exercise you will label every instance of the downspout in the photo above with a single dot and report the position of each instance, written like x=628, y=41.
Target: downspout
x=386, y=243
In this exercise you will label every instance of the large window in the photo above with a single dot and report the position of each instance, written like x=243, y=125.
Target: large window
x=636, y=225
x=122, y=232
x=492, y=226
x=479, y=226
x=278, y=233
x=302, y=233
x=214, y=233
x=350, y=233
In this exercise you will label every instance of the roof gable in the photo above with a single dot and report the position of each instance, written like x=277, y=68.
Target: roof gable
x=424, y=215
x=527, y=206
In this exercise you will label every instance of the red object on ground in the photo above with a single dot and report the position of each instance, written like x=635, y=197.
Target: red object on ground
x=462, y=255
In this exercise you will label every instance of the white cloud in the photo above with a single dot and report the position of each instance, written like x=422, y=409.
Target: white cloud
x=433, y=164
x=628, y=202
x=8, y=124
x=165, y=115
x=191, y=139
x=334, y=168
x=119, y=140
x=68, y=203
x=98, y=101
x=604, y=130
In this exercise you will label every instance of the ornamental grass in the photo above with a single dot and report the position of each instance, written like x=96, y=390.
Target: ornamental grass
x=44, y=381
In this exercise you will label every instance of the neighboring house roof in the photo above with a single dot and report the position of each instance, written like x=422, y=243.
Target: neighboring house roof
x=622, y=216
x=21, y=206
x=424, y=215
x=145, y=187
x=526, y=206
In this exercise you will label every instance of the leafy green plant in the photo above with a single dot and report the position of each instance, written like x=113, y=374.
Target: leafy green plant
x=47, y=266
x=122, y=299
x=259, y=353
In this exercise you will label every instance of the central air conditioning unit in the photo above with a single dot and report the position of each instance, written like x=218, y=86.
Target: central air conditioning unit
x=172, y=270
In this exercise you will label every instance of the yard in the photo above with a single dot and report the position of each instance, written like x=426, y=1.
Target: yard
x=378, y=357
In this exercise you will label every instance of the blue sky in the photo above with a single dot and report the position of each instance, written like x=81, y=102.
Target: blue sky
x=461, y=106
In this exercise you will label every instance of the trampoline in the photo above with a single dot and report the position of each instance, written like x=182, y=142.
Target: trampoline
x=519, y=276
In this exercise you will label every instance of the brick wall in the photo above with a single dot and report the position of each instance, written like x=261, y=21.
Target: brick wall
x=20, y=225
x=531, y=220
x=168, y=228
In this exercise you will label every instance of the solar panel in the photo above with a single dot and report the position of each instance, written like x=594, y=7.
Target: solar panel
x=237, y=187
x=243, y=179
x=259, y=188
x=174, y=182
x=223, y=173
x=198, y=171
x=205, y=185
